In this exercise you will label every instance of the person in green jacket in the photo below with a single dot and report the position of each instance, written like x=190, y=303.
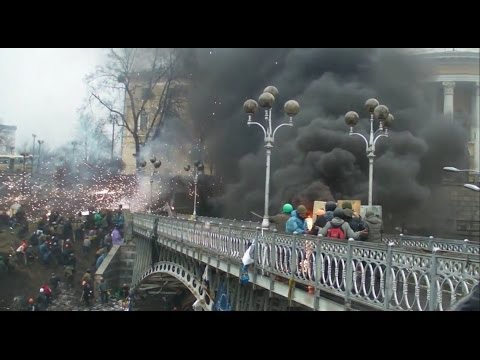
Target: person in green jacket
x=281, y=219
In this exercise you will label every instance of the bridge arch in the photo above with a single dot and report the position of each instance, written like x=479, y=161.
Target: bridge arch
x=185, y=277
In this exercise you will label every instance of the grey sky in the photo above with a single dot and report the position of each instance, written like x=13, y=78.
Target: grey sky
x=41, y=90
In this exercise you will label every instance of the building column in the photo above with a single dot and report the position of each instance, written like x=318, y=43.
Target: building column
x=475, y=131
x=434, y=98
x=448, y=87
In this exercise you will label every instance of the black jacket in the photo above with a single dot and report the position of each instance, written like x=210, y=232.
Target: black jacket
x=471, y=302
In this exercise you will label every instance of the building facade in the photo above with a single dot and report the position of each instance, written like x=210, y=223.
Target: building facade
x=454, y=87
x=145, y=122
x=154, y=102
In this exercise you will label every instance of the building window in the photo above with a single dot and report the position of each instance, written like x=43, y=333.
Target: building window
x=143, y=122
x=468, y=225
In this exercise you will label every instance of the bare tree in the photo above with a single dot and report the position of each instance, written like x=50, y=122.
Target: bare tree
x=93, y=143
x=148, y=80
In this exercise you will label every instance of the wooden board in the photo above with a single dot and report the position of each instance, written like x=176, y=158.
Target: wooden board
x=317, y=205
x=377, y=210
x=356, y=204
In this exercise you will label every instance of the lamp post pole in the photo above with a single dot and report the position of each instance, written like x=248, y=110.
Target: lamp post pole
x=40, y=142
x=74, y=146
x=266, y=100
x=33, y=150
x=156, y=164
x=197, y=169
x=24, y=154
x=377, y=112
x=195, y=182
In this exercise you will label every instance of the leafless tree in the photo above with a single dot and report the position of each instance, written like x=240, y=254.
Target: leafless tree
x=91, y=140
x=140, y=88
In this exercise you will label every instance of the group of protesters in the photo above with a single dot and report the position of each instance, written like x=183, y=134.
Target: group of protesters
x=333, y=221
x=45, y=295
x=52, y=243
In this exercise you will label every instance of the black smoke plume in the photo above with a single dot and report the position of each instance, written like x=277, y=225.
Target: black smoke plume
x=317, y=159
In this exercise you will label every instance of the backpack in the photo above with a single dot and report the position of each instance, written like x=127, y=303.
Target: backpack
x=336, y=232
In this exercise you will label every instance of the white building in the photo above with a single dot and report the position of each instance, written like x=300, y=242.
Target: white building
x=455, y=90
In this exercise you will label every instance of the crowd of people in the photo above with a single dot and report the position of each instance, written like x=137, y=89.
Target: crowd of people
x=53, y=242
x=332, y=221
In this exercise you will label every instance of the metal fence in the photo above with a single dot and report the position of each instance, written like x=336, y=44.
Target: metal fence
x=393, y=276
x=421, y=242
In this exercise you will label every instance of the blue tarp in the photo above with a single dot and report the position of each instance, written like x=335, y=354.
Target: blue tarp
x=222, y=300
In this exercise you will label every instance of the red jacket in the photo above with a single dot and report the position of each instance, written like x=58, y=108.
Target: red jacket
x=47, y=291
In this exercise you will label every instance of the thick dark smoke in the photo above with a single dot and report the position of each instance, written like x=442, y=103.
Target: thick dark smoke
x=316, y=159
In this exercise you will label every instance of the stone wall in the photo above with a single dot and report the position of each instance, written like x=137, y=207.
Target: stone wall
x=466, y=204
x=109, y=269
x=117, y=268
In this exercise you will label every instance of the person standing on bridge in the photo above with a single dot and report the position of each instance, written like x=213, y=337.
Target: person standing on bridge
x=297, y=224
x=280, y=220
x=322, y=219
x=471, y=302
x=374, y=225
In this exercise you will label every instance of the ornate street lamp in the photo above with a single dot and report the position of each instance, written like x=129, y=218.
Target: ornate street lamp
x=40, y=142
x=25, y=155
x=266, y=100
x=377, y=112
x=198, y=168
x=33, y=150
x=155, y=165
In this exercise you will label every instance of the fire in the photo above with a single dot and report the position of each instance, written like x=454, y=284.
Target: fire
x=309, y=222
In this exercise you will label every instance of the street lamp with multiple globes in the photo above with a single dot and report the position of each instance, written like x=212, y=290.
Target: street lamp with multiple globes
x=266, y=100
x=197, y=169
x=33, y=150
x=377, y=112
x=155, y=165
x=470, y=171
x=40, y=142
x=25, y=156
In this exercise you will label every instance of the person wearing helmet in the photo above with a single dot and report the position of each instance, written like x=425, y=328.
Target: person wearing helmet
x=281, y=219
x=322, y=219
x=31, y=305
x=41, y=300
x=297, y=224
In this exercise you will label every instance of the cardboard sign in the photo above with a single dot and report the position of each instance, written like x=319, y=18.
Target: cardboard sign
x=356, y=204
x=317, y=205
x=377, y=210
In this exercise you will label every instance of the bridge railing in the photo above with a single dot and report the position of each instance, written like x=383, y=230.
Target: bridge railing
x=383, y=276
x=463, y=246
x=422, y=242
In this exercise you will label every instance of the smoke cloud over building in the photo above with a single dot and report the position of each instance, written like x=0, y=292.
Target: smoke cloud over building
x=316, y=159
